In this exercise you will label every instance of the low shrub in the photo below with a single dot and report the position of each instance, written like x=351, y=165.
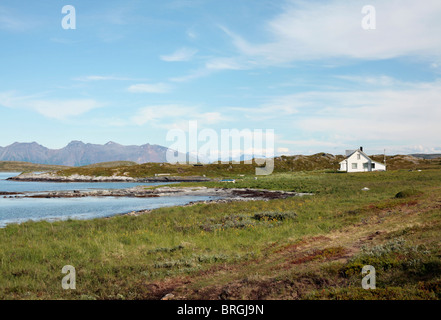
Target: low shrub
x=274, y=216
x=407, y=193
x=395, y=255
x=228, y=222
x=163, y=249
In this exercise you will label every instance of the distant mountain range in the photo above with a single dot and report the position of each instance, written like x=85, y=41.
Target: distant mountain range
x=426, y=156
x=77, y=153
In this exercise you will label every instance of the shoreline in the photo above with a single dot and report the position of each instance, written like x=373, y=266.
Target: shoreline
x=52, y=177
x=145, y=192
x=220, y=195
x=190, y=204
x=234, y=195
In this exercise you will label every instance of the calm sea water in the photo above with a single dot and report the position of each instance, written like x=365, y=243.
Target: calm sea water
x=29, y=186
x=17, y=210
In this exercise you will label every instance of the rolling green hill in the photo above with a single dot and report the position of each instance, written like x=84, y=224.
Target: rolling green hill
x=111, y=164
x=18, y=166
x=319, y=161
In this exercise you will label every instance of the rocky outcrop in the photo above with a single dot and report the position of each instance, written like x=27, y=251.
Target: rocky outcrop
x=53, y=177
x=146, y=192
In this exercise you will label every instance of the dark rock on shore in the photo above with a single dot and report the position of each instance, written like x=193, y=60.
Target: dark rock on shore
x=144, y=192
x=52, y=177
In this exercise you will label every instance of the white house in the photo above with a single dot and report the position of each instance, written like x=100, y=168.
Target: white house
x=358, y=161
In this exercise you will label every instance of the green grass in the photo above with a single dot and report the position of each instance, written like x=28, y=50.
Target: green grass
x=18, y=166
x=261, y=249
x=111, y=164
x=283, y=164
x=407, y=193
x=333, y=183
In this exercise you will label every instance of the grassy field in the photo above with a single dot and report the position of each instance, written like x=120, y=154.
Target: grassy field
x=17, y=166
x=283, y=164
x=111, y=164
x=310, y=247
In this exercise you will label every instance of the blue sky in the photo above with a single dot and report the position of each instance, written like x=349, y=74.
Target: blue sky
x=132, y=70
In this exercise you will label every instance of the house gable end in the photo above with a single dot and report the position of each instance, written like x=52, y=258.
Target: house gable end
x=354, y=155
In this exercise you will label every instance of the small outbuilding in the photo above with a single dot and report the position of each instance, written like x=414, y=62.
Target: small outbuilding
x=358, y=161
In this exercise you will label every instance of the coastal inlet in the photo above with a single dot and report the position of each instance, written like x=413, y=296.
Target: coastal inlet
x=22, y=201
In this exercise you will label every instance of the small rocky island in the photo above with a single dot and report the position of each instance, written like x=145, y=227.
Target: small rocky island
x=218, y=194
x=53, y=177
x=148, y=192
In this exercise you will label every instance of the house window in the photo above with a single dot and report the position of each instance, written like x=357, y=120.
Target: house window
x=365, y=165
x=358, y=156
x=373, y=165
x=354, y=166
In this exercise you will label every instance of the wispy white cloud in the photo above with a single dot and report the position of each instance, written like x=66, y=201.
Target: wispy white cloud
x=283, y=150
x=211, y=117
x=118, y=14
x=191, y=34
x=63, y=41
x=311, y=143
x=211, y=66
x=155, y=113
x=182, y=54
x=275, y=107
x=102, y=78
x=407, y=114
x=381, y=80
x=224, y=64
x=196, y=74
x=59, y=109
x=175, y=116
x=64, y=109
x=149, y=88
x=311, y=30
x=12, y=22
x=182, y=4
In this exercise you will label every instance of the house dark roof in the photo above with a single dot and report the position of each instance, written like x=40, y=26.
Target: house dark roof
x=354, y=151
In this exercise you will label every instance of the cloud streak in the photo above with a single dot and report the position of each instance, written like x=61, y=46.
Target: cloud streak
x=11, y=22
x=407, y=114
x=102, y=78
x=60, y=109
x=183, y=54
x=175, y=116
x=310, y=30
x=149, y=88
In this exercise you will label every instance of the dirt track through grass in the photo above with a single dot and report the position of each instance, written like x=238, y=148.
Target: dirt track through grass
x=222, y=251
